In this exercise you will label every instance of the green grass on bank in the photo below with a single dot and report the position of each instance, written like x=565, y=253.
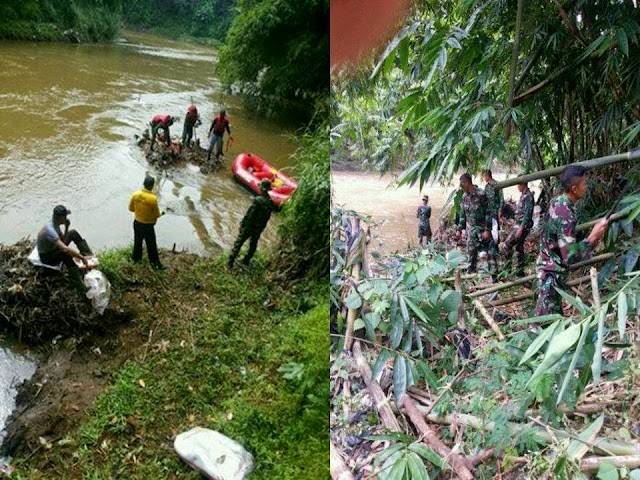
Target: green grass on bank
x=229, y=352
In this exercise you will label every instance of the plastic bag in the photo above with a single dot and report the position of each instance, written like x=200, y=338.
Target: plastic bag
x=99, y=290
x=216, y=456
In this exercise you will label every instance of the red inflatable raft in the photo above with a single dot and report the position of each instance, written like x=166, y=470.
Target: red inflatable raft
x=249, y=169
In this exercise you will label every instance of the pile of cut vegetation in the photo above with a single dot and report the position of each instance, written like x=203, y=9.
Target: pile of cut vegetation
x=164, y=156
x=39, y=303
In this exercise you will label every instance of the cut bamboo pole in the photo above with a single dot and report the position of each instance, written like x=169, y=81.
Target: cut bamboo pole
x=526, y=296
x=387, y=416
x=602, y=445
x=593, y=163
x=592, y=464
x=430, y=438
x=529, y=278
x=487, y=316
x=616, y=216
x=337, y=466
x=353, y=312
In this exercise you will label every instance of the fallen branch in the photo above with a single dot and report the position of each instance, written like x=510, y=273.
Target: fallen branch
x=337, y=466
x=592, y=464
x=525, y=296
x=353, y=312
x=487, y=316
x=458, y=462
x=387, y=416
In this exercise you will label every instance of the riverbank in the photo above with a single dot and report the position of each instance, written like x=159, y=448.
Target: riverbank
x=194, y=345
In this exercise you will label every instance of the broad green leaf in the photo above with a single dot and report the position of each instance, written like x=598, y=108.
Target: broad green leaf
x=607, y=471
x=422, y=274
x=353, y=300
x=404, y=54
x=403, y=308
x=378, y=366
x=451, y=300
x=596, y=364
x=398, y=470
x=477, y=139
x=399, y=379
x=408, y=339
x=417, y=470
x=427, y=374
x=452, y=41
x=542, y=319
x=417, y=310
x=567, y=377
x=358, y=324
x=453, y=258
x=558, y=346
x=622, y=313
x=429, y=455
x=623, y=42
x=390, y=460
x=397, y=330
x=540, y=340
x=634, y=474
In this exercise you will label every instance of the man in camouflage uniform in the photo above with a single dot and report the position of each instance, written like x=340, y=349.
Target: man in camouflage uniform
x=524, y=222
x=558, y=245
x=253, y=223
x=495, y=198
x=476, y=220
x=424, y=223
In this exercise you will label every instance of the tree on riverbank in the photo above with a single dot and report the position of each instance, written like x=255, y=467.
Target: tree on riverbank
x=277, y=54
x=60, y=20
x=203, y=19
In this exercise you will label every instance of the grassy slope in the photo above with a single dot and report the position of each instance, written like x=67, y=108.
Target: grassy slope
x=212, y=360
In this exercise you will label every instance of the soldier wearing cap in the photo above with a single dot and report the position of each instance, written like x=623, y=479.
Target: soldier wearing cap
x=524, y=223
x=53, y=244
x=191, y=120
x=558, y=245
x=424, y=221
x=253, y=223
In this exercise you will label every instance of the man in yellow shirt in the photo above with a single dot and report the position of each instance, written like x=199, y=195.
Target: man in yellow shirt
x=144, y=204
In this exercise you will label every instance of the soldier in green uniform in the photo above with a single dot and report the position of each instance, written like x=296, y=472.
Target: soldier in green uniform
x=424, y=221
x=524, y=222
x=495, y=198
x=558, y=245
x=476, y=220
x=253, y=223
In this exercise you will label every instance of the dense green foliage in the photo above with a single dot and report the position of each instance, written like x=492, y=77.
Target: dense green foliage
x=303, y=249
x=223, y=357
x=71, y=20
x=475, y=87
x=177, y=18
x=277, y=54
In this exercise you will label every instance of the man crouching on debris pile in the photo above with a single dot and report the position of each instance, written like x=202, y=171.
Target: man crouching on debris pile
x=53, y=245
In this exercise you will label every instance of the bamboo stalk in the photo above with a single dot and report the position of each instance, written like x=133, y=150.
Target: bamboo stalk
x=387, y=417
x=526, y=296
x=353, y=312
x=337, y=466
x=592, y=464
x=487, y=316
x=600, y=444
x=616, y=216
x=528, y=278
x=430, y=438
x=593, y=163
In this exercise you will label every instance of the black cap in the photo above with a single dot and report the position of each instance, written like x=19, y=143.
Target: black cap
x=61, y=211
x=149, y=181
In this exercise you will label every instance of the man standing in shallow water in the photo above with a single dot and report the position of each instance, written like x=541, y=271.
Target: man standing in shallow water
x=558, y=245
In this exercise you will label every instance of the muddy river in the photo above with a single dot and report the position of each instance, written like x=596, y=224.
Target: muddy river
x=394, y=209
x=68, y=116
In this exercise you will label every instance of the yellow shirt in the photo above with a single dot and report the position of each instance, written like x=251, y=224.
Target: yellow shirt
x=145, y=205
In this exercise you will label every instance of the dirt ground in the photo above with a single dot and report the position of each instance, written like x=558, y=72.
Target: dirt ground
x=395, y=208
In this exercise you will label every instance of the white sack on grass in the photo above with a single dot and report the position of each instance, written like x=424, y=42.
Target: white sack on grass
x=99, y=289
x=215, y=455
x=34, y=258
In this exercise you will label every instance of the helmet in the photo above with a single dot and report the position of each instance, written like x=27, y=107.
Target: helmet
x=192, y=108
x=265, y=185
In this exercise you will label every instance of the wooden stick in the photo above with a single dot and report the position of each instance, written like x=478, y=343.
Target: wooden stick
x=525, y=296
x=616, y=216
x=458, y=462
x=528, y=278
x=593, y=274
x=487, y=316
x=382, y=404
x=337, y=466
x=458, y=287
x=592, y=464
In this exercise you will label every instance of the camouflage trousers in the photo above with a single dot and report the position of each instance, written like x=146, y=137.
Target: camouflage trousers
x=549, y=300
x=475, y=242
x=518, y=243
x=424, y=231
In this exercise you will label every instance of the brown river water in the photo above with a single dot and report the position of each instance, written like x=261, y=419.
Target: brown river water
x=68, y=116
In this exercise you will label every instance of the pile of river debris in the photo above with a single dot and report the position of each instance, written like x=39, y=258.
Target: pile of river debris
x=38, y=303
x=165, y=156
